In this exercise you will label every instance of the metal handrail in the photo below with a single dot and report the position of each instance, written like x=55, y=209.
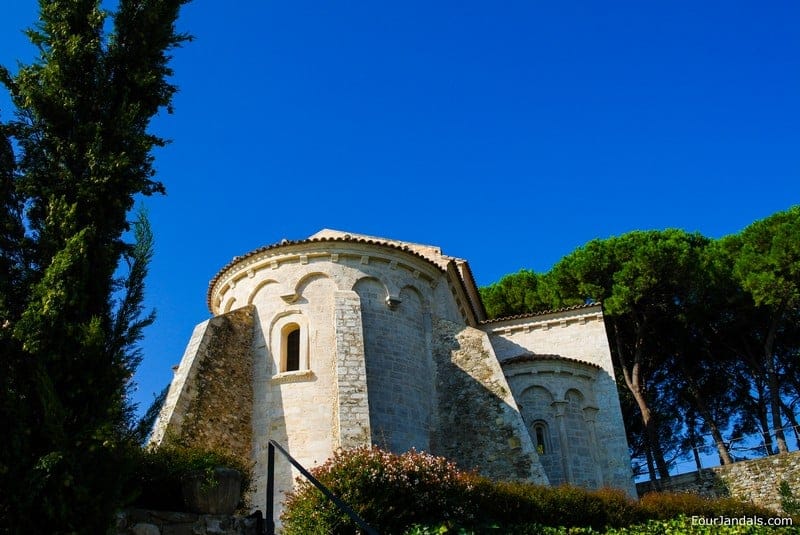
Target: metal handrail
x=270, y=527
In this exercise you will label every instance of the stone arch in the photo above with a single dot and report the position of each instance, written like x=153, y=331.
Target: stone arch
x=398, y=364
x=540, y=390
x=540, y=433
x=574, y=395
x=412, y=307
x=537, y=403
x=290, y=347
x=294, y=293
x=258, y=288
x=228, y=305
x=309, y=278
x=582, y=446
x=379, y=290
x=281, y=326
x=410, y=289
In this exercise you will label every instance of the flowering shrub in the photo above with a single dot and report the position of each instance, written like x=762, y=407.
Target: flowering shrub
x=421, y=494
x=389, y=491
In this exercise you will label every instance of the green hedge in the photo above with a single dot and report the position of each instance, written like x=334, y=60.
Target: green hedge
x=510, y=502
x=676, y=526
x=666, y=505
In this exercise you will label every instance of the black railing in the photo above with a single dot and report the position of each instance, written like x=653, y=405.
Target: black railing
x=346, y=509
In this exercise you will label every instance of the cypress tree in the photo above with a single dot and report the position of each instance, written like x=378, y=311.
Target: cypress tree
x=76, y=155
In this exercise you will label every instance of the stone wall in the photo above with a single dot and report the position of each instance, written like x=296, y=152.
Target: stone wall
x=328, y=402
x=297, y=409
x=210, y=401
x=478, y=425
x=555, y=353
x=399, y=368
x=351, y=374
x=144, y=522
x=756, y=481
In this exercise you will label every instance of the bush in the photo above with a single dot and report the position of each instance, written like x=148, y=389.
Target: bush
x=157, y=480
x=420, y=494
x=390, y=492
x=789, y=503
x=684, y=524
x=666, y=505
x=515, y=502
x=676, y=526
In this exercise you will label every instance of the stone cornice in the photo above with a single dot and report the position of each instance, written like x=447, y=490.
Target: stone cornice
x=553, y=363
x=544, y=320
x=335, y=250
x=297, y=376
x=465, y=303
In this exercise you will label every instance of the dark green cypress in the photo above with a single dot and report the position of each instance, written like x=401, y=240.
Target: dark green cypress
x=72, y=288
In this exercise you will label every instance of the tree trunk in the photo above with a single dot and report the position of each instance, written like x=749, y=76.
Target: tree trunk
x=651, y=468
x=787, y=410
x=691, y=425
x=777, y=421
x=634, y=381
x=696, y=455
x=761, y=416
x=658, y=453
x=773, y=386
x=756, y=405
x=716, y=434
x=722, y=448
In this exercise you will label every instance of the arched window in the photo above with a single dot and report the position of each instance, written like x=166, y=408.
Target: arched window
x=541, y=437
x=290, y=347
x=293, y=349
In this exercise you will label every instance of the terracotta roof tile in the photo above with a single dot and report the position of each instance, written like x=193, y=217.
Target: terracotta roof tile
x=533, y=357
x=479, y=306
x=540, y=313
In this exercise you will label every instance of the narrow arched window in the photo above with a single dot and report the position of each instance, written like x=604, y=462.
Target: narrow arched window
x=288, y=348
x=541, y=437
x=293, y=349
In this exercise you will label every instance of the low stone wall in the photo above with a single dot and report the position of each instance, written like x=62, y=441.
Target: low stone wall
x=756, y=480
x=144, y=522
x=706, y=483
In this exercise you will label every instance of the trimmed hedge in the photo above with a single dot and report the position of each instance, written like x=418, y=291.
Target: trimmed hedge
x=666, y=505
x=512, y=502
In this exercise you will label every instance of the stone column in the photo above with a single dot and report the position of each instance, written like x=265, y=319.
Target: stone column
x=590, y=416
x=559, y=410
x=352, y=405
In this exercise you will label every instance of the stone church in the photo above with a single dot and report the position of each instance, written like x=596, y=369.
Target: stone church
x=341, y=340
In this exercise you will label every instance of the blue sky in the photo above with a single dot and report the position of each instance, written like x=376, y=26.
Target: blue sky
x=508, y=133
